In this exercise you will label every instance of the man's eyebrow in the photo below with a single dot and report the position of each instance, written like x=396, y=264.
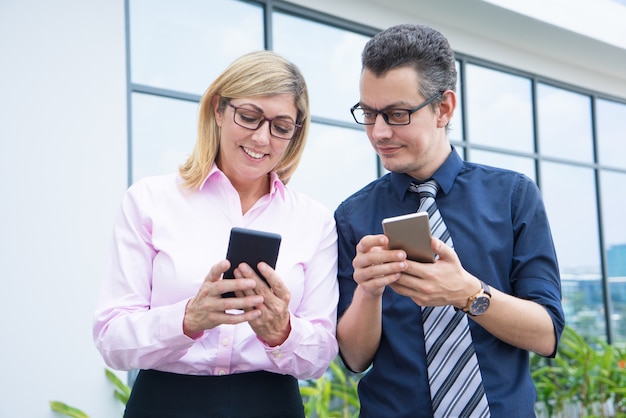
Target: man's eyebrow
x=398, y=105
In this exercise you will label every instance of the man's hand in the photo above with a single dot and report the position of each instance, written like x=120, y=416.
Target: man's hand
x=444, y=282
x=375, y=266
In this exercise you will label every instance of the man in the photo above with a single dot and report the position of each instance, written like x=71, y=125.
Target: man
x=500, y=278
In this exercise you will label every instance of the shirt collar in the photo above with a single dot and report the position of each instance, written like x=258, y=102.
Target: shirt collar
x=445, y=175
x=276, y=185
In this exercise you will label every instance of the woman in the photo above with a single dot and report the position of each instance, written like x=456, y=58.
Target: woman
x=202, y=355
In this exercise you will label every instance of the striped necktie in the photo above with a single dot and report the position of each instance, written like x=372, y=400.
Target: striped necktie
x=456, y=388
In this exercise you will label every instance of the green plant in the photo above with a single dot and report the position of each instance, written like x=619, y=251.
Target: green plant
x=121, y=392
x=334, y=395
x=590, y=375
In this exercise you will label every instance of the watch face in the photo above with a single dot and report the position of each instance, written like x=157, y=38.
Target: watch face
x=479, y=305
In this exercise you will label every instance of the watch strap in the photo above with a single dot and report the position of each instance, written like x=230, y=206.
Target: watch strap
x=485, y=287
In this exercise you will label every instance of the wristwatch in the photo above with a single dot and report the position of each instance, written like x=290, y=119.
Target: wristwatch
x=478, y=303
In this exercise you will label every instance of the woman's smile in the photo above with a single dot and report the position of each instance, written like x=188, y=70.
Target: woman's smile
x=253, y=154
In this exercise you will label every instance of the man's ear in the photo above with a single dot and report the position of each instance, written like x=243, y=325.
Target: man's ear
x=446, y=108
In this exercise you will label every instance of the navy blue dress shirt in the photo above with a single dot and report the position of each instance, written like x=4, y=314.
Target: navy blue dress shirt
x=501, y=234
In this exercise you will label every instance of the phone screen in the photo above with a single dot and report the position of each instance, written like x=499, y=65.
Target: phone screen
x=251, y=247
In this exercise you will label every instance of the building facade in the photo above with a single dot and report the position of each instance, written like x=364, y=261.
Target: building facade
x=96, y=95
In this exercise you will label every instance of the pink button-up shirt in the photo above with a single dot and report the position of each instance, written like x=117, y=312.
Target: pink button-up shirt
x=166, y=239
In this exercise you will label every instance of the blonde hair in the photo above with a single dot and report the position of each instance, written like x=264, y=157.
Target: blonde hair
x=262, y=73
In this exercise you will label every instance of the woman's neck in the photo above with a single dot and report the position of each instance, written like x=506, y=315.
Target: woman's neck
x=250, y=193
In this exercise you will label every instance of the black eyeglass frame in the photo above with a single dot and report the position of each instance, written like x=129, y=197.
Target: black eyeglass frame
x=263, y=120
x=385, y=111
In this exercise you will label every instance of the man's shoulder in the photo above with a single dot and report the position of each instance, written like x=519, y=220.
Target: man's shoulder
x=496, y=185
x=477, y=172
x=486, y=169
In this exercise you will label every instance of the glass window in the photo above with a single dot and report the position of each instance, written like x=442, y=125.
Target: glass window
x=329, y=58
x=611, y=143
x=613, y=204
x=569, y=194
x=164, y=133
x=511, y=162
x=183, y=45
x=564, y=124
x=499, y=109
x=456, y=124
x=336, y=163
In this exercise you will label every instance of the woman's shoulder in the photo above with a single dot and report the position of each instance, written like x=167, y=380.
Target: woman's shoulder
x=157, y=182
x=303, y=201
x=155, y=188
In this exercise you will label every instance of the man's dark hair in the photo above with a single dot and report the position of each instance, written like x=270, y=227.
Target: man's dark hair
x=420, y=47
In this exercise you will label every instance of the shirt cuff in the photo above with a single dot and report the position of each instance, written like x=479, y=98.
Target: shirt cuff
x=290, y=344
x=171, y=327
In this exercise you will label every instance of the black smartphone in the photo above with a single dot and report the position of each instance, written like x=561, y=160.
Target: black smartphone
x=251, y=246
x=410, y=233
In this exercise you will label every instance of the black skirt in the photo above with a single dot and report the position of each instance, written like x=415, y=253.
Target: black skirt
x=260, y=394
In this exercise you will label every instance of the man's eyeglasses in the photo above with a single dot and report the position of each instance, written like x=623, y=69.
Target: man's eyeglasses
x=280, y=127
x=394, y=117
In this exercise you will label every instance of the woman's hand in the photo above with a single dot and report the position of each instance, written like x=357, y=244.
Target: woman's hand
x=207, y=309
x=272, y=326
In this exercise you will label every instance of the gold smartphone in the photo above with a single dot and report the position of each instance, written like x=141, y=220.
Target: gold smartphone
x=410, y=233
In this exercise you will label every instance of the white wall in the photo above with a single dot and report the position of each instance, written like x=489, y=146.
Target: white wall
x=62, y=175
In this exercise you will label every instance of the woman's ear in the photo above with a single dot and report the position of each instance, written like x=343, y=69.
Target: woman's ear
x=215, y=103
x=446, y=108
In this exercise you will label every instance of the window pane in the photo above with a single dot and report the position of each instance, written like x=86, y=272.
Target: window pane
x=569, y=194
x=183, y=45
x=564, y=124
x=336, y=163
x=329, y=58
x=499, y=110
x=456, y=123
x=164, y=133
x=510, y=162
x=613, y=204
x=612, y=146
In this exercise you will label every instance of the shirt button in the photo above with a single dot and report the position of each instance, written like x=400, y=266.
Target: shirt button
x=222, y=372
x=225, y=341
x=277, y=354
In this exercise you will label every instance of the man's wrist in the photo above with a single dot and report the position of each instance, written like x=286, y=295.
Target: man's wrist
x=468, y=293
x=479, y=302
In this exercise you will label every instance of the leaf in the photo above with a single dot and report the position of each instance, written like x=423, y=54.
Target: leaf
x=122, y=390
x=337, y=372
x=309, y=391
x=67, y=410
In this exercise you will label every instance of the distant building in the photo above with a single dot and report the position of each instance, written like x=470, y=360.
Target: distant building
x=616, y=260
